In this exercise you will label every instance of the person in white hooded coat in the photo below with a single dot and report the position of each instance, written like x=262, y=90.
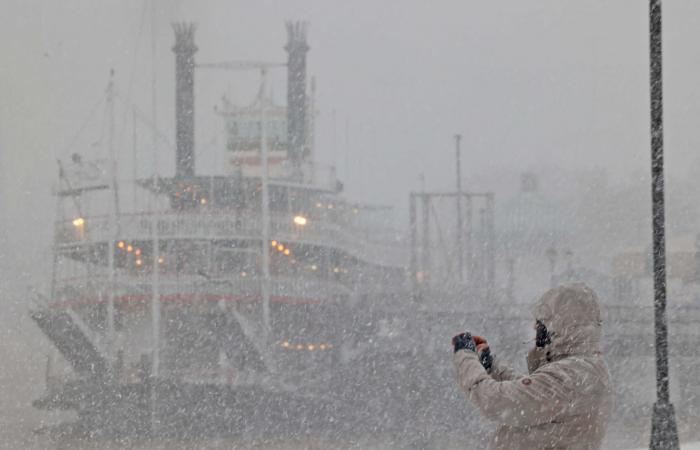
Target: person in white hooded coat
x=565, y=401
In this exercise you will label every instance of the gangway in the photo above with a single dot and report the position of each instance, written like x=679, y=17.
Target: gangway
x=69, y=334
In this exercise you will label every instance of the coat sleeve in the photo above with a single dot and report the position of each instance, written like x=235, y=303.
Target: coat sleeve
x=523, y=401
x=501, y=372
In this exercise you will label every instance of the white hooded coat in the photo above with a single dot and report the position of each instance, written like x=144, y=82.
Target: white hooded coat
x=566, y=400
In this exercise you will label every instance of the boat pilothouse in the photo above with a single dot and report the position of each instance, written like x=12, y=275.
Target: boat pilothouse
x=213, y=279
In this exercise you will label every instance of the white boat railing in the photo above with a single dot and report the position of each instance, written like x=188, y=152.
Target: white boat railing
x=378, y=247
x=83, y=291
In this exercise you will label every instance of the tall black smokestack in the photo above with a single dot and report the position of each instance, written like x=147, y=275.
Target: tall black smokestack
x=296, y=93
x=184, y=98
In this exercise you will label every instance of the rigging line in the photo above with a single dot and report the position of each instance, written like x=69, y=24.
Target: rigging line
x=145, y=119
x=154, y=96
x=74, y=139
x=105, y=121
x=133, y=71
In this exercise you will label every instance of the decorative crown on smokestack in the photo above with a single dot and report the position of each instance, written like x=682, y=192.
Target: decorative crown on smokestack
x=296, y=93
x=184, y=50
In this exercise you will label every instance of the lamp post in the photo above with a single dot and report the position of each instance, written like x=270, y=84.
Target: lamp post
x=664, y=434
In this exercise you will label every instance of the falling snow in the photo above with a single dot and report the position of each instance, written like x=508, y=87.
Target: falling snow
x=260, y=224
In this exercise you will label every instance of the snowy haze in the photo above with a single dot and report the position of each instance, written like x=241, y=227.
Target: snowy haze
x=556, y=87
x=528, y=84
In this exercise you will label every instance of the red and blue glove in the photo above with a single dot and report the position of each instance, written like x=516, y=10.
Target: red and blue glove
x=464, y=341
x=484, y=352
x=477, y=344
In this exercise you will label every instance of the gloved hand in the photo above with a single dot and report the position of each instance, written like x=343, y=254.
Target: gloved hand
x=542, y=336
x=463, y=341
x=484, y=352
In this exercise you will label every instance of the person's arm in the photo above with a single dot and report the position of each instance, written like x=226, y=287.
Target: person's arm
x=523, y=401
x=493, y=366
x=535, y=358
x=501, y=372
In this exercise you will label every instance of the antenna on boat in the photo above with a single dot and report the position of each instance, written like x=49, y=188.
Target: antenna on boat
x=113, y=222
x=155, y=253
x=265, y=209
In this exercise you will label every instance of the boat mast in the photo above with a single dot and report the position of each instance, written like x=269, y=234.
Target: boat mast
x=155, y=253
x=155, y=299
x=265, y=209
x=113, y=229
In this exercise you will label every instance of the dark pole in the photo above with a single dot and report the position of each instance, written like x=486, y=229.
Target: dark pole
x=296, y=94
x=184, y=98
x=664, y=434
x=458, y=240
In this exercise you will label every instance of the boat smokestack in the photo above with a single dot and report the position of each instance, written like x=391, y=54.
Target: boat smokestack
x=296, y=94
x=184, y=50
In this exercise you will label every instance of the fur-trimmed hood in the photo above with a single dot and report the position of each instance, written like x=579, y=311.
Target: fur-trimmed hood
x=572, y=317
